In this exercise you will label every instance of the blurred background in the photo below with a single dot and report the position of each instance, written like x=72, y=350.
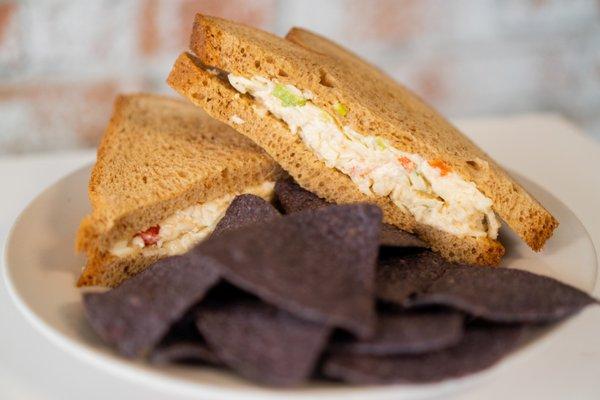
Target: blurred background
x=62, y=62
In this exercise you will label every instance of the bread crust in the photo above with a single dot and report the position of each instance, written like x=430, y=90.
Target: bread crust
x=159, y=155
x=104, y=269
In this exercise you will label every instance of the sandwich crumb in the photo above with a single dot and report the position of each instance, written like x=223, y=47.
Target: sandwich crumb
x=235, y=119
x=259, y=110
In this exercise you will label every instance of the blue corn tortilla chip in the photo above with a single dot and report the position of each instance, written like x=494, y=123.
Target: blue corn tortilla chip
x=293, y=198
x=316, y=264
x=503, y=295
x=136, y=315
x=188, y=352
x=400, y=276
x=183, y=344
x=263, y=343
x=245, y=209
x=393, y=237
x=480, y=348
x=408, y=333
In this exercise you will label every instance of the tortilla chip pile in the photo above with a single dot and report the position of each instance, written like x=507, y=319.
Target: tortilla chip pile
x=324, y=291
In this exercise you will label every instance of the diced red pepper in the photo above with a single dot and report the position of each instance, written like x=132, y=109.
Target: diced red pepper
x=407, y=164
x=150, y=236
x=441, y=166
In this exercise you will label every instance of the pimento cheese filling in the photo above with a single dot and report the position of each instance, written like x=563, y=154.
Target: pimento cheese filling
x=181, y=231
x=428, y=189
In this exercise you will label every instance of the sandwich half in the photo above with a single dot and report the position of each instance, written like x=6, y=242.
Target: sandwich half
x=346, y=131
x=165, y=174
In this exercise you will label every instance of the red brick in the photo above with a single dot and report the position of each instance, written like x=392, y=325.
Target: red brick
x=11, y=49
x=397, y=20
x=429, y=83
x=72, y=114
x=148, y=25
x=7, y=11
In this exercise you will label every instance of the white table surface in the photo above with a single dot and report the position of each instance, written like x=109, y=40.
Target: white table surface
x=32, y=368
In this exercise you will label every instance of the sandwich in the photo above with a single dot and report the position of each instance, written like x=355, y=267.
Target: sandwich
x=164, y=176
x=349, y=133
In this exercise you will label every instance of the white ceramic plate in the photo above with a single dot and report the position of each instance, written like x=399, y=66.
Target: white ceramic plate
x=41, y=269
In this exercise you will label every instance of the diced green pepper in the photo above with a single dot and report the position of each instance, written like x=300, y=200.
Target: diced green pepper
x=381, y=143
x=288, y=99
x=341, y=109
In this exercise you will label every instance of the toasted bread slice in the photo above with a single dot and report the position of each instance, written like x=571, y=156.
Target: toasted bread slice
x=378, y=107
x=159, y=155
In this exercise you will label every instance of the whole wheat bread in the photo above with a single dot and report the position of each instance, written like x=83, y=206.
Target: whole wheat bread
x=158, y=155
x=378, y=106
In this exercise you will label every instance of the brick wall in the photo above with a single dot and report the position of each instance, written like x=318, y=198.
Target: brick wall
x=62, y=62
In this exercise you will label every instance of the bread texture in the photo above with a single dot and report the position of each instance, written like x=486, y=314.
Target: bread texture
x=159, y=155
x=377, y=106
